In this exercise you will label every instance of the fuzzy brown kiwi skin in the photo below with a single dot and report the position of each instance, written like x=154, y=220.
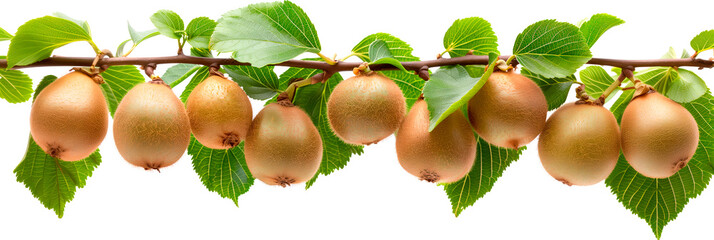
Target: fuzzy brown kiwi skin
x=69, y=118
x=659, y=136
x=366, y=108
x=443, y=155
x=151, y=128
x=508, y=111
x=283, y=147
x=580, y=144
x=220, y=113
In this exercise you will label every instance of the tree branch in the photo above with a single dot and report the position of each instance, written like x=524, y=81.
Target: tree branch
x=344, y=66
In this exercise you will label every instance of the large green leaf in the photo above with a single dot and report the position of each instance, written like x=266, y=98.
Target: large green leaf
x=258, y=83
x=552, y=49
x=199, y=31
x=469, y=34
x=597, y=25
x=490, y=163
x=201, y=74
x=4, y=35
x=119, y=80
x=265, y=33
x=15, y=86
x=222, y=171
x=313, y=99
x=555, y=89
x=53, y=181
x=410, y=84
x=449, y=89
x=179, y=72
x=36, y=39
x=168, y=23
x=659, y=201
x=703, y=41
x=596, y=80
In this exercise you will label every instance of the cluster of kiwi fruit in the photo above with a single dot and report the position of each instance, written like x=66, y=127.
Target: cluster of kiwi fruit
x=152, y=127
x=578, y=145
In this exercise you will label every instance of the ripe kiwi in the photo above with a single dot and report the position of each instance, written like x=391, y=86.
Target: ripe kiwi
x=220, y=113
x=366, y=108
x=283, y=147
x=443, y=155
x=151, y=128
x=69, y=118
x=509, y=110
x=580, y=144
x=659, y=136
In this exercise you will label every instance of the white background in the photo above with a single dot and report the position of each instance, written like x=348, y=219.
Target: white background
x=372, y=197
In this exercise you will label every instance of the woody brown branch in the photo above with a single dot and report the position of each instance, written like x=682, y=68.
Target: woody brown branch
x=344, y=66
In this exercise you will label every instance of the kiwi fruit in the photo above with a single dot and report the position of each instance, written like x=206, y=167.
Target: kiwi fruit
x=580, y=144
x=366, y=108
x=220, y=113
x=283, y=147
x=659, y=136
x=508, y=111
x=446, y=154
x=151, y=128
x=69, y=118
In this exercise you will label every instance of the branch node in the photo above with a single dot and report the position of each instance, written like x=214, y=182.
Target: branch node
x=423, y=72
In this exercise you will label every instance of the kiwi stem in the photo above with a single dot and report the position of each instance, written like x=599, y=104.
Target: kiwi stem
x=626, y=73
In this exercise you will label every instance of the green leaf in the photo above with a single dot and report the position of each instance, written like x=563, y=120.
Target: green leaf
x=468, y=34
x=201, y=74
x=179, y=72
x=659, y=201
x=265, y=33
x=53, y=181
x=596, y=80
x=687, y=87
x=168, y=23
x=222, y=171
x=81, y=23
x=15, y=86
x=4, y=35
x=120, y=48
x=379, y=53
x=703, y=41
x=671, y=54
x=703, y=111
x=139, y=36
x=555, y=89
x=490, y=163
x=598, y=24
x=199, y=31
x=36, y=39
x=258, y=83
x=552, y=49
x=410, y=84
x=449, y=89
x=685, y=54
x=313, y=99
x=119, y=79
x=660, y=78
x=201, y=52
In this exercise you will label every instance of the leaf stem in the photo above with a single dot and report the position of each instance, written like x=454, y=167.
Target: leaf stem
x=327, y=59
x=130, y=50
x=626, y=73
x=94, y=46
